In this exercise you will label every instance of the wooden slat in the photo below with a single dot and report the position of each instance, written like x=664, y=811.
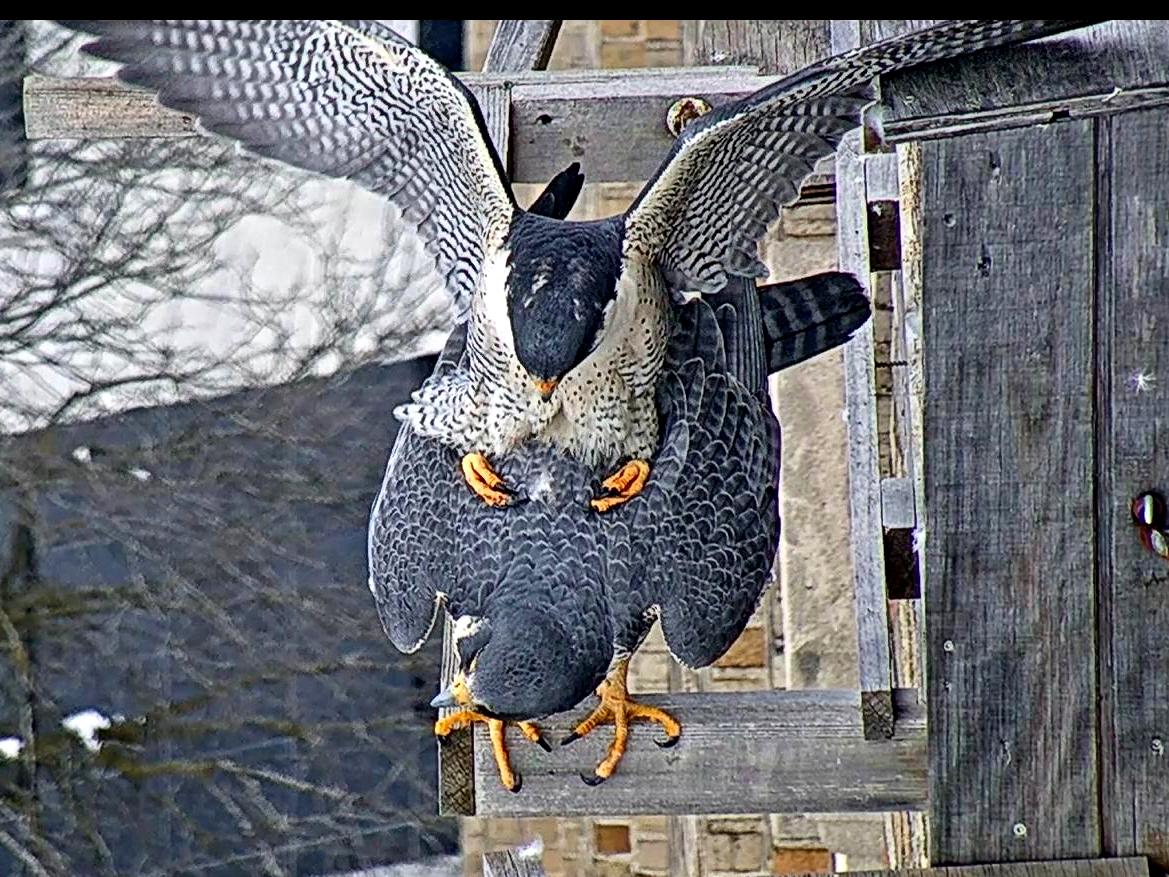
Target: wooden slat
x=521, y=44
x=1093, y=70
x=1133, y=455
x=456, y=761
x=613, y=121
x=778, y=45
x=741, y=752
x=897, y=503
x=1130, y=867
x=456, y=757
x=509, y=863
x=864, y=474
x=907, y=322
x=1010, y=607
x=495, y=101
x=685, y=831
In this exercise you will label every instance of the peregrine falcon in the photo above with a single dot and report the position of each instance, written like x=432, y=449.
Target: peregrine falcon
x=550, y=600
x=566, y=322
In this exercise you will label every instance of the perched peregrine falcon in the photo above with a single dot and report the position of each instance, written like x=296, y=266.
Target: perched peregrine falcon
x=567, y=322
x=550, y=600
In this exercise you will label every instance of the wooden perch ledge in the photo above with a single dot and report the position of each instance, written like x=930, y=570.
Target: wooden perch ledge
x=758, y=752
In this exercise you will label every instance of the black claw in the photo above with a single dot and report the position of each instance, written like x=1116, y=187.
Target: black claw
x=544, y=744
x=516, y=495
x=592, y=779
x=519, y=782
x=570, y=738
x=668, y=743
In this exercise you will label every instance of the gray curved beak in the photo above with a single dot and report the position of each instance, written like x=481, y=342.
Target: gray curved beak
x=444, y=698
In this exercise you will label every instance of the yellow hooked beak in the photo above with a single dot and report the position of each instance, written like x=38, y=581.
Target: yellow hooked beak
x=545, y=388
x=455, y=694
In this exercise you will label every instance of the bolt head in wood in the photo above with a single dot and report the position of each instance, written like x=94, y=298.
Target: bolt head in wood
x=684, y=111
x=1148, y=509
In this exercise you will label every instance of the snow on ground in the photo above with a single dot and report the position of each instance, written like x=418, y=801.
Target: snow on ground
x=85, y=724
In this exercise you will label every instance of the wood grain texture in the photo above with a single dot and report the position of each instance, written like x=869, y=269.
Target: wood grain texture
x=495, y=101
x=684, y=831
x=864, y=474
x=779, y=46
x=873, y=30
x=521, y=44
x=456, y=753
x=613, y=122
x=1008, y=237
x=1083, y=72
x=1133, y=456
x=897, y=506
x=64, y=109
x=907, y=309
x=509, y=863
x=1129, y=867
x=742, y=752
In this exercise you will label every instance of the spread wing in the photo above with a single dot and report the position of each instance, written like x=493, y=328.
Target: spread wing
x=708, y=522
x=347, y=99
x=731, y=171
x=413, y=543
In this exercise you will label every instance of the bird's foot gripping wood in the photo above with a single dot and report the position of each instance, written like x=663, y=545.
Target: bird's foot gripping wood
x=511, y=778
x=624, y=484
x=486, y=483
x=618, y=710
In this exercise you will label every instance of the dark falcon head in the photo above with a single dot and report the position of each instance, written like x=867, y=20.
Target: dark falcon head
x=517, y=667
x=563, y=276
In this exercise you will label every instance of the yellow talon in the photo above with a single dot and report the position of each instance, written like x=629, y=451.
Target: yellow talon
x=511, y=778
x=624, y=484
x=485, y=481
x=617, y=709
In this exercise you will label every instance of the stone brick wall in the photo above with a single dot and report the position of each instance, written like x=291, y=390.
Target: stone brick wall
x=803, y=634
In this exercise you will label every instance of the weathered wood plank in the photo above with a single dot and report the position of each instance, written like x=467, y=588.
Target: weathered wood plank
x=513, y=863
x=685, y=831
x=1010, y=608
x=613, y=122
x=864, y=474
x=521, y=44
x=1133, y=456
x=897, y=507
x=1131, y=867
x=495, y=101
x=741, y=752
x=1044, y=112
x=907, y=322
x=456, y=760
x=780, y=45
x=873, y=30
x=1089, y=71
x=456, y=756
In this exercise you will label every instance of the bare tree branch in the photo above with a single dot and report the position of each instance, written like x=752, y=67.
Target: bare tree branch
x=194, y=417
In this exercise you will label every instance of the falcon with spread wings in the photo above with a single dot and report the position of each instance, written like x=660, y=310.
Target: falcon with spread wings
x=566, y=322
